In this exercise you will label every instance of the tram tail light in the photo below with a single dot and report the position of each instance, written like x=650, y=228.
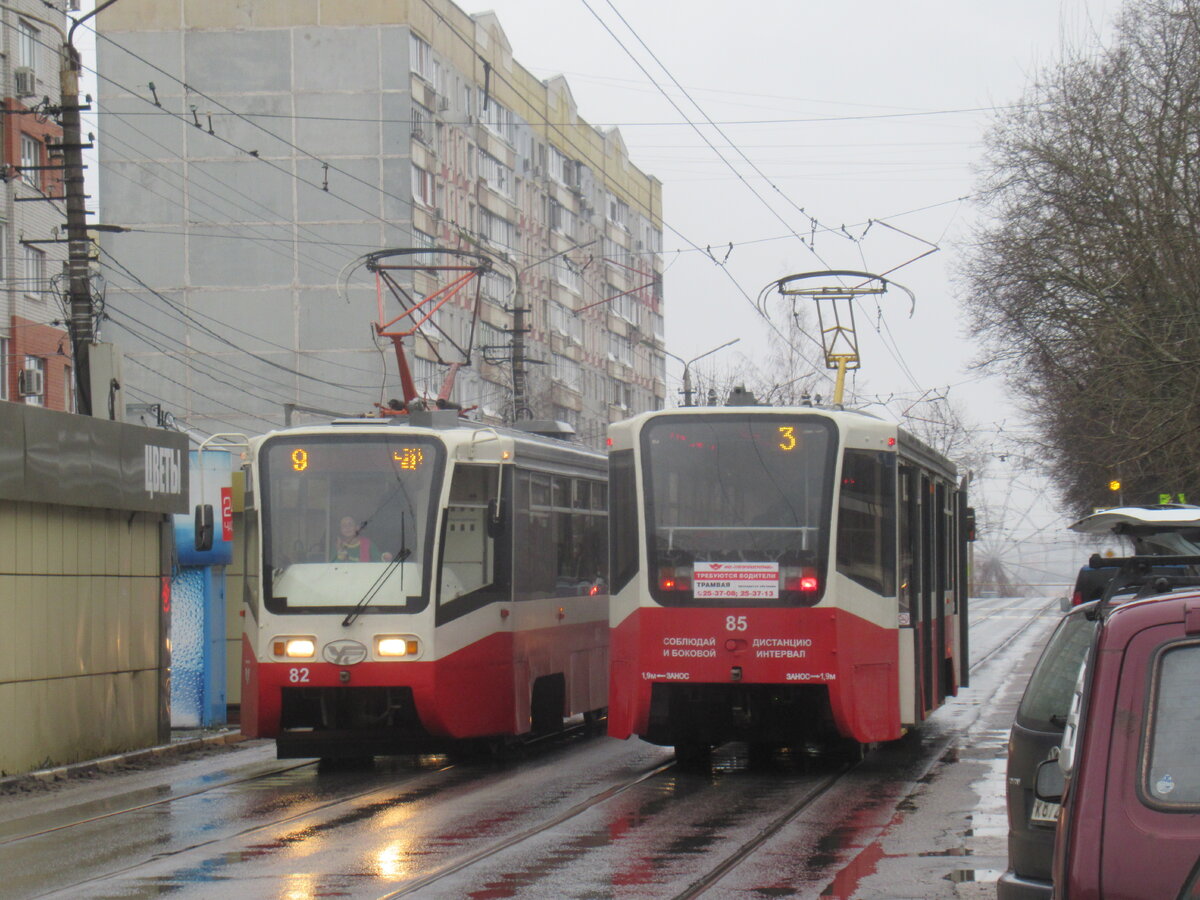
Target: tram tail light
x=394, y=646
x=675, y=578
x=294, y=647
x=803, y=580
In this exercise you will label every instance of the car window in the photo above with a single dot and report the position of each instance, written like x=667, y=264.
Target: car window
x=1172, y=767
x=1048, y=695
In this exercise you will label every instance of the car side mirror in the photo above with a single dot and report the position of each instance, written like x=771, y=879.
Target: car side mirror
x=204, y=527
x=495, y=518
x=1050, y=782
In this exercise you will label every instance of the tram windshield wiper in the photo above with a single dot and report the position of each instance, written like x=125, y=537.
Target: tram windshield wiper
x=396, y=562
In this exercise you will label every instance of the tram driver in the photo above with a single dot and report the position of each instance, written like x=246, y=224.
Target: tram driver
x=354, y=546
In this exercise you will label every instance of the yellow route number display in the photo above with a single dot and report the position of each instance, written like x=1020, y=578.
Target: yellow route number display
x=299, y=459
x=409, y=457
x=787, y=437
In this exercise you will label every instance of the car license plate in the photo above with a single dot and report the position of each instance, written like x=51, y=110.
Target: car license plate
x=1044, y=812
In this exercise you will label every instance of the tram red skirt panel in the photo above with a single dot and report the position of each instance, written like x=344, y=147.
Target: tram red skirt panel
x=857, y=661
x=480, y=690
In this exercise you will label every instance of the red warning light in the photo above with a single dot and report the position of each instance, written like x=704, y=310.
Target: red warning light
x=891, y=442
x=608, y=442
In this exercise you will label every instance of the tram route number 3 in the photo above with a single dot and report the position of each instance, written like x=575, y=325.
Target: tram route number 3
x=298, y=676
x=736, y=623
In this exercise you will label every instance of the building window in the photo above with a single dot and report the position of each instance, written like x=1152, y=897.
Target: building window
x=34, y=377
x=620, y=349
x=31, y=157
x=422, y=187
x=497, y=288
x=497, y=175
x=496, y=229
x=566, y=274
x=4, y=360
x=618, y=211
x=622, y=304
x=27, y=45
x=568, y=373
x=562, y=219
x=497, y=119
x=35, y=272
x=422, y=123
x=557, y=165
x=421, y=59
x=564, y=321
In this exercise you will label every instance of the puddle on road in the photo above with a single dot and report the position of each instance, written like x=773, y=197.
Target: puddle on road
x=961, y=876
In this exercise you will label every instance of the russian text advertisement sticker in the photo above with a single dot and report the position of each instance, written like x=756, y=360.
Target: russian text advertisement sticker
x=735, y=581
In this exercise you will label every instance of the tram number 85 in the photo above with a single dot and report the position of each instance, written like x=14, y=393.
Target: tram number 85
x=736, y=623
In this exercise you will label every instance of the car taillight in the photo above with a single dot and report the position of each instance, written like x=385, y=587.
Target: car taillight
x=1076, y=598
x=675, y=578
x=803, y=580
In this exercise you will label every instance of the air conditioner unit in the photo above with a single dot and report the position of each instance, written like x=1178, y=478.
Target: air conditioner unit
x=31, y=383
x=24, y=81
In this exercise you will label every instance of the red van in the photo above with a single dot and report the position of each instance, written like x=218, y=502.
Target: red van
x=1129, y=826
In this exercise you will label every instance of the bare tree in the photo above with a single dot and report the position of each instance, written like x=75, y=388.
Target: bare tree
x=1085, y=282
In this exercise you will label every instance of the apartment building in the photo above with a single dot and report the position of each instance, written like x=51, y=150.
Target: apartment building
x=35, y=349
x=258, y=150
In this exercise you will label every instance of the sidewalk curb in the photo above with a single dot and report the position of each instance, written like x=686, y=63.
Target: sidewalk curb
x=110, y=763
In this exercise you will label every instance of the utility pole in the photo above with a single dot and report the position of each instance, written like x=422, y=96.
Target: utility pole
x=79, y=289
x=519, y=330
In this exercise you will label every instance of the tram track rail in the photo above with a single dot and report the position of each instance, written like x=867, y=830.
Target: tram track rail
x=1029, y=623
x=141, y=807
x=705, y=881
x=529, y=833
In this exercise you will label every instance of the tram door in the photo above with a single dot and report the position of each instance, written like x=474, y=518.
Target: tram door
x=940, y=587
x=918, y=573
x=927, y=548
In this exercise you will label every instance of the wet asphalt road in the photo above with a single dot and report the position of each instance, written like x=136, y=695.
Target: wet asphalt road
x=584, y=817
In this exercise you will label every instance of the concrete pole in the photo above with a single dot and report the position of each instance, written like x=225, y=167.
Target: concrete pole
x=79, y=292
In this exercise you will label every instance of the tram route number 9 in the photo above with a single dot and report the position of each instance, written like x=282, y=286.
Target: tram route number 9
x=736, y=623
x=298, y=676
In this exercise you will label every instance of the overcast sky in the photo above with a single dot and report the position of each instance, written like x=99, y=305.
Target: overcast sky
x=854, y=111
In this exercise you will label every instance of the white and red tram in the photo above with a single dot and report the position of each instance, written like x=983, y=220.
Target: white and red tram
x=421, y=580
x=781, y=576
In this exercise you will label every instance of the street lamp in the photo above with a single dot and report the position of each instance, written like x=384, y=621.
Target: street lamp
x=687, y=367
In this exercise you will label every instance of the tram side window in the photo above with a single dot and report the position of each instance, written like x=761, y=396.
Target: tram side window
x=866, y=539
x=468, y=556
x=622, y=519
x=561, y=539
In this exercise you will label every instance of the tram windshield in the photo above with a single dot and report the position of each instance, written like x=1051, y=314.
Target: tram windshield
x=347, y=520
x=751, y=489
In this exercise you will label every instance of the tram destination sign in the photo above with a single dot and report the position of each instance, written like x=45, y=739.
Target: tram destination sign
x=735, y=581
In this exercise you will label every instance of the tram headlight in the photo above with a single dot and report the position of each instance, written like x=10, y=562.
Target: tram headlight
x=297, y=647
x=393, y=646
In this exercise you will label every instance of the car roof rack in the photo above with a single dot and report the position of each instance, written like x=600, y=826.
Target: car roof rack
x=1140, y=570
